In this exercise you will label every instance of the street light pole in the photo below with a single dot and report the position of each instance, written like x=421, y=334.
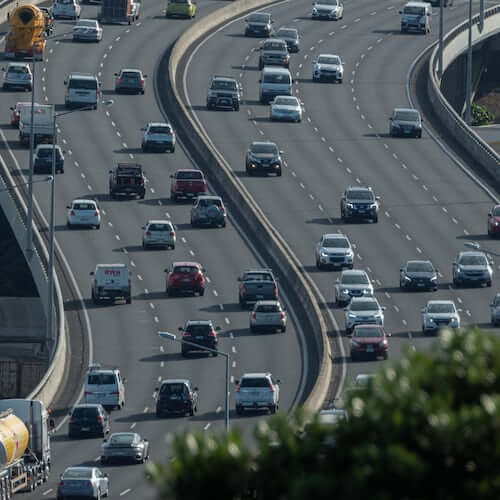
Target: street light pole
x=468, y=83
x=29, y=232
x=441, y=28
x=172, y=336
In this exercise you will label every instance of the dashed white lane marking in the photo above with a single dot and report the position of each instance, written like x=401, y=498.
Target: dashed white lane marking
x=124, y=492
x=466, y=232
x=139, y=277
x=146, y=291
x=302, y=185
x=397, y=226
x=191, y=253
x=218, y=409
x=104, y=56
x=444, y=209
x=113, y=124
x=388, y=295
x=118, y=134
x=231, y=335
x=207, y=426
x=418, y=250
x=373, y=13
x=208, y=279
x=234, y=364
x=408, y=237
x=459, y=300
x=132, y=263
x=232, y=379
x=435, y=199
x=215, y=292
x=320, y=208
x=117, y=39
x=89, y=187
x=151, y=305
x=162, y=349
x=424, y=187
x=233, y=349
x=146, y=409
x=117, y=237
x=226, y=319
x=404, y=322
x=156, y=319
x=331, y=149
x=454, y=220
x=82, y=175
x=162, y=364
x=331, y=33
x=357, y=20
x=468, y=313
x=133, y=425
x=47, y=492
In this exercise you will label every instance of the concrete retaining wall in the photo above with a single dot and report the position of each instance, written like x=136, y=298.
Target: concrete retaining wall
x=455, y=43
x=297, y=284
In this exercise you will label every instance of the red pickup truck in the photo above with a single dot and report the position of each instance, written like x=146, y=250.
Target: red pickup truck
x=187, y=183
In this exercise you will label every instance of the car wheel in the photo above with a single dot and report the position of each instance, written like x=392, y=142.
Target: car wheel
x=142, y=92
x=283, y=329
x=128, y=300
x=201, y=292
x=173, y=197
x=191, y=412
x=237, y=107
x=69, y=225
x=239, y=410
x=272, y=409
x=215, y=354
x=488, y=283
x=184, y=353
x=353, y=357
x=375, y=219
x=243, y=303
x=261, y=65
x=386, y=355
x=278, y=174
x=98, y=226
x=172, y=150
x=318, y=264
x=193, y=223
x=144, y=148
x=455, y=282
x=103, y=460
x=158, y=414
x=252, y=329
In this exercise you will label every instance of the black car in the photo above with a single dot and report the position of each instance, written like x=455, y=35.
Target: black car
x=405, y=122
x=291, y=37
x=202, y=333
x=263, y=157
x=418, y=274
x=88, y=419
x=359, y=202
x=259, y=24
x=127, y=179
x=42, y=159
x=176, y=396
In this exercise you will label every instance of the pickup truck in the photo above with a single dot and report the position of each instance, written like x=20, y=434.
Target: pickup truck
x=187, y=183
x=127, y=179
x=255, y=285
x=257, y=391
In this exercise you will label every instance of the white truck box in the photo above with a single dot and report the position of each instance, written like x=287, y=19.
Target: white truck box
x=43, y=118
x=111, y=281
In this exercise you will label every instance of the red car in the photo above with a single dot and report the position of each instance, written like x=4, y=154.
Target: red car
x=494, y=221
x=187, y=183
x=185, y=277
x=16, y=111
x=369, y=341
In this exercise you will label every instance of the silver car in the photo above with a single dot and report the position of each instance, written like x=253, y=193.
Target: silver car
x=328, y=9
x=495, y=310
x=159, y=233
x=85, y=482
x=257, y=391
x=334, y=249
x=363, y=311
x=328, y=67
x=439, y=314
x=17, y=75
x=208, y=210
x=332, y=416
x=472, y=268
x=352, y=283
x=274, y=52
x=286, y=108
x=158, y=136
x=268, y=315
x=128, y=446
x=87, y=30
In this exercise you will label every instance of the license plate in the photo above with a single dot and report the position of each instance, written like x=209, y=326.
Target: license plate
x=259, y=296
x=199, y=338
x=85, y=429
x=369, y=349
x=186, y=280
x=420, y=284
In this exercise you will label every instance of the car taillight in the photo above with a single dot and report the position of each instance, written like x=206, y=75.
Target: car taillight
x=61, y=483
x=100, y=418
x=204, y=188
x=172, y=233
x=148, y=233
x=190, y=397
x=275, y=290
x=119, y=80
x=254, y=315
x=243, y=289
x=87, y=393
x=271, y=387
x=238, y=388
x=142, y=82
x=186, y=334
x=212, y=334
x=72, y=212
x=67, y=92
x=115, y=393
x=282, y=315
x=142, y=181
x=96, y=213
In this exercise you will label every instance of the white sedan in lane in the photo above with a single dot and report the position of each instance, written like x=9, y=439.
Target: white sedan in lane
x=83, y=212
x=159, y=233
x=328, y=67
x=286, y=108
x=87, y=30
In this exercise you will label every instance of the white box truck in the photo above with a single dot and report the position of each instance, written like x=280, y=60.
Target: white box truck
x=43, y=118
x=111, y=282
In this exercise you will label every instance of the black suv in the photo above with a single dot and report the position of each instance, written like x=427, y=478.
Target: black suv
x=42, y=160
x=202, y=333
x=176, y=396
x=359, y=202
x=263, y=157
x=224, y=92
x=127, y=179
x=88, y=419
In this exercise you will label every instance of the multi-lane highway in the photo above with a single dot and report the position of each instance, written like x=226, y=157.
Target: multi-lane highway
x=126, y=335
x=429, y=206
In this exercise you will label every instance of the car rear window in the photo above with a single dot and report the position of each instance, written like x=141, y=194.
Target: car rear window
x=48, y=152
x=281, y=78
x=409, y=116
x=189, y=175
x=85, y=412
x=122, y=438
x=254, y=382
x=185, y=269
x=496, y=211
x=268, y=309
x=84, y=206
x=258, y=277
x=210, y=202
x=365, y=305
x=17, y=69
x=274, y=46
x=159, y=130
x=76, y=83
x=199, y=329
x=101, y=379
x=131, y=74
x=368, y=332
x=77, y=474
x=173, y=389
x=159, y=227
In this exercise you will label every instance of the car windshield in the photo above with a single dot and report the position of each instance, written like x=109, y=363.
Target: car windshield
x=274, y=46
x=189, y=175
x=185, y=269
x=441, y=308
x=496, y=300
x=101, y=379
x=419, y=267
x=264, y=149
x=125, y=438
x=258, y=277
x=282, y=78
x=159, y=227
x=329, y=60
x=254, y=382
x=199, y=329
x=18, y=69
x=354, y=279
x=288, y=33
x=65, y=2
x=406, y=116
x=259, y=18
x=335, y=243
x=76, y=83
x=223, y=85
x=473, y=260
x=414, y=11
x=159, y=130
x=368, y=332
x=268, y=308
x=360, y=195
x=179, y=1
x=77, y=474
x=364, y=305
x=84, y=206
x=85, y=412
x=286, y=101
x=86, y=24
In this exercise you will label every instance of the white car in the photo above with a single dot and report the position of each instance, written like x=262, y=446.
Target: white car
x=83, y=212
x=328, y=9
x=440, y=314
x=334, y=249
x=363, y=311
x=268, y=315
x=159, y=233
x=286, y=108
x=69, y=9
x=17, y=75
x=104, y=386
x=257, y=391
x=158, y=136
x=87, y=30
x=352, y=283
x=328, y=67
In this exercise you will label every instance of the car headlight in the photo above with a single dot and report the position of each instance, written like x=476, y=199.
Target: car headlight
x=344, y=291
x=395, y=125
x=373, y=205
x=315, y=10
x=351, y=315
x=434, y=278
x=350, y=205
x=459, y=269
x=324, y=254
x=430, y=320
x=454, y=321
x=407, y=278
x=355, y=344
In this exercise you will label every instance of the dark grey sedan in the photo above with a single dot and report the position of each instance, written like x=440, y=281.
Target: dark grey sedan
x=83, y=482
x=131, y=81
x=125, y=446
x=418, y=274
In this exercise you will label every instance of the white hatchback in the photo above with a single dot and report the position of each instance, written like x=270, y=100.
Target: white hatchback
x=18, y=75
x=160, y=233
x=84, y=213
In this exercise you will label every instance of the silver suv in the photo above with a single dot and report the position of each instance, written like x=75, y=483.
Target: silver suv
x=224, y=92
x=208, y=210
x=268, y=315
x=363, y=311
x=440, y=314
x=256, y=391
x=472, y=267
x=352, y=283
x=274, y=52
x=334, y=249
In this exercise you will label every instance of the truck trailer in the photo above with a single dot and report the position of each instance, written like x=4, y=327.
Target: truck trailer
x=24, y=446
x=43, y=126
x=119, y=11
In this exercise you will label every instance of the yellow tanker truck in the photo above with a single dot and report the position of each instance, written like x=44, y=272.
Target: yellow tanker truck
x=24, y=446
x=27, y=27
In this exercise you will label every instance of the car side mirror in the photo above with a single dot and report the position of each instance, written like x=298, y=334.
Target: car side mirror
x=69, y=413
x=281, y=152
x=110, y=171
x=180, y=328
x=65, y=82
x=195, y=389
x=143, y=129
x=314, y=61
x=236, y=381
x=489, y=213
x=238, y=278
x=52, y=423
x=105, y=474
x=91, y=273
x=145, y=76
x=346, y=308
x=422, y=121
x=116, y=74
x=378, y=198
x=402, y=270
x=337, y=280
x=143, y=227
x=165, y=270
x=423, y=310
x=400, y=11
x=278, y=381
x=390, y=119
x=12, y=108
x=492, y=305
x=260, y=81
x=383, y=308
x=171, y=176
x=68, y=206
x=454, y=264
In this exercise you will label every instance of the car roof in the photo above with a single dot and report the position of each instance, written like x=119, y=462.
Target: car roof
x=83, y=76
x=188, y=170
x=199, y=322
x=335, y=236
x=112, y=265
x=128, y=433
x=275, y=69
x=135, y=70
x=258, y=270
x=175, y=381
x=416, y=4
x=88, y=405
x=48, y=146
x=209, y=197
x=23, y=64
x=262, y=143
x=109, y=371
x=256, y=375
x=364, y=299
x=471, y=253
x=159, y=221
x=435, y=302
x=362, y=327
x=419, y=261
x=405, y=109
x=353, y=272
x=359, y=188
x=186, y=263
x=92, y=20
x=328, y=55
x=159, y=124
x=79, y=467
x=224, y=78
x=273, y=40
x=288, y=28
x=84, y=200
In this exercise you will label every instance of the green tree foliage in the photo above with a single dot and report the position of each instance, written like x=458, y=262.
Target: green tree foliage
x=480, y=115
x=427, y=428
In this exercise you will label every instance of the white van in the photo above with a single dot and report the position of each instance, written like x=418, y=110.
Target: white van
x=274, y=81
x=69, y=9
x=82, y=89
x=416, y=16
x=105, y=387
x=111, y=281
